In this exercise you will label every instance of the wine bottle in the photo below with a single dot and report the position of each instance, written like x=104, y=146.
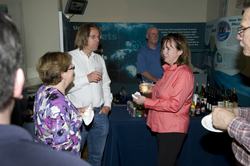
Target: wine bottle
x=192, y=110
x=202, y=92
x=235, y=98
x=210, y=99
x=202, y=108
x=198, y=108
x=214, y=103
x=220, y=101
x=205, y=97
x=226, y=99
x=230, y=104
x=196, y=94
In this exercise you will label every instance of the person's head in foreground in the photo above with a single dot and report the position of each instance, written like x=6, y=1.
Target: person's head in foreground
x=11, y=75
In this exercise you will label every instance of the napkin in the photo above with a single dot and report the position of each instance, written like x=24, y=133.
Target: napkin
x=88, y=115
x=136, y=93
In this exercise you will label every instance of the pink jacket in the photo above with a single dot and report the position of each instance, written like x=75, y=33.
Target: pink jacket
x=171, y=100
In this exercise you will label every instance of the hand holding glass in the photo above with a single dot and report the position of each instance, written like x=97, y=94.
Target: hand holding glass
x=98, y=69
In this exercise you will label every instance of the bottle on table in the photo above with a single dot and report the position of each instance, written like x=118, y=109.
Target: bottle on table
x=222, y=92
x=198, y=108
x=192, y=109
x=205, y=97
x=214, y=101
x=235, y=98
x=208, y=99
x=202, y=107
x=211, y=99
x=220, y=100
x=139, y=113
x=197, y=88
x=226, y=99
x=202, y=92
x=196, y=94
x=128, y=105
x=230, y=104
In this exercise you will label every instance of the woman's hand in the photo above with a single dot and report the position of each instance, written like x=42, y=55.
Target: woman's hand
x=82, y=110
x=140, y=100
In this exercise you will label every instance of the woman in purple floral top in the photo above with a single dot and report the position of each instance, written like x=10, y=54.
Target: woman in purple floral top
x=57, y=121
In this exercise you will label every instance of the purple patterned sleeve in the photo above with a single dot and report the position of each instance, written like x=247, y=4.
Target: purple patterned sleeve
x=57, y=121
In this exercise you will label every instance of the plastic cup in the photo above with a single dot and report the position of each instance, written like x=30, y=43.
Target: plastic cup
x=144, y=86
x=98, y=69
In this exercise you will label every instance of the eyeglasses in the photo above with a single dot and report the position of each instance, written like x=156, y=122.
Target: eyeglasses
x=240, y=30
x=72, y=67
x=176, y=35
x=94, y=37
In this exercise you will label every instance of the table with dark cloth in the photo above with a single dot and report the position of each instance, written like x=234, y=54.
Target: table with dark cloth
x=131, y=143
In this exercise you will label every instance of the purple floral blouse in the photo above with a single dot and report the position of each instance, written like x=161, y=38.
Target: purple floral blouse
x=57, y=121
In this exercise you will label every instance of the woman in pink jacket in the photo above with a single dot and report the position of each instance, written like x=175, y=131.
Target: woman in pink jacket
x=171, y=99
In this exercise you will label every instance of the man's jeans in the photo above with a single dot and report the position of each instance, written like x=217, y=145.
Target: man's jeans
x=96, y=134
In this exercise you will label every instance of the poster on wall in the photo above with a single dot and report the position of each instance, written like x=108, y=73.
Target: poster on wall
x=226, y=61
x=4, y=8
x=121, y=42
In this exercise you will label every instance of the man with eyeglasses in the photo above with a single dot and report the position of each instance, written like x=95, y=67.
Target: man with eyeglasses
x=91, y=84
x=236, y=121
x=149, y=57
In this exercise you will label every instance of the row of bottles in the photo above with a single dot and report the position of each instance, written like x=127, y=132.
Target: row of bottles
x=198, y=109
x=209, y=98
x=136, y=110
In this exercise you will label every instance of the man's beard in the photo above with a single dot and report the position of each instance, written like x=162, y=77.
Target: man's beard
x=245, y=50
x=241, y=44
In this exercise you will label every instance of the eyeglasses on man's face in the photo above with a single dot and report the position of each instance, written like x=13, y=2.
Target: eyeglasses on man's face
x=72, y=67
x=94, y=37
x=240, y=30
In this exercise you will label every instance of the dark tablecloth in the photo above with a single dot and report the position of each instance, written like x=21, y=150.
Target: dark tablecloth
x=131, y=143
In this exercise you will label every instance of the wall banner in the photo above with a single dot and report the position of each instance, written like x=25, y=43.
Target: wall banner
x=121, y=42
x=228, y=67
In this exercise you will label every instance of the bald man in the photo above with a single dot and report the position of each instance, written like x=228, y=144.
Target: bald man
x=149, y=57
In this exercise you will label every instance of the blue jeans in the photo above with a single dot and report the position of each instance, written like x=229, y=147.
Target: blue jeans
x=96, y=135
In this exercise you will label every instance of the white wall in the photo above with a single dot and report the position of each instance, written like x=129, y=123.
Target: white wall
x=232, y=11
x=143, y=11
x=41, y=30
x=213, y=9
